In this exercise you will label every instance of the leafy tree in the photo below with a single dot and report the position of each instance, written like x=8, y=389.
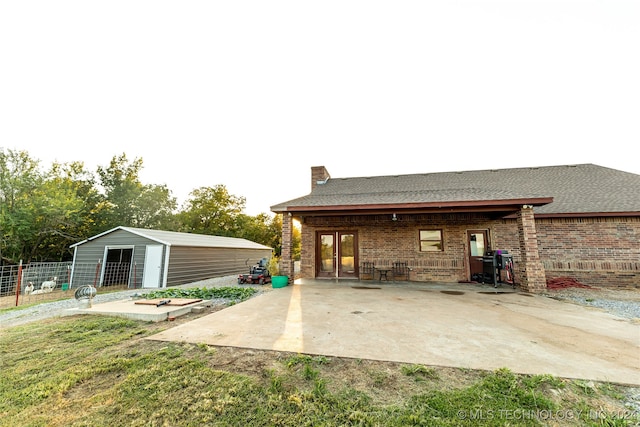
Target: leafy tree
x=261, y=228
x=296, y=243
x=54, y=212
x=40, y=213
x=130, y=203
x=83, y=183
x=213, y=211
x=19, y=178
x=155, y=208
x=275, y=235
x=78, y=203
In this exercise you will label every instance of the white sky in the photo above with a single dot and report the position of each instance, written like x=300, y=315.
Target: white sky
x=252, y=94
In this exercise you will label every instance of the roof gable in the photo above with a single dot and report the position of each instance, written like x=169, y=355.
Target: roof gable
x=573, y=189
x=173, y=238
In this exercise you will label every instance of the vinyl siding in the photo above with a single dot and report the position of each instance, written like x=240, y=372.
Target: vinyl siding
x=189, y=264
x=92, y=252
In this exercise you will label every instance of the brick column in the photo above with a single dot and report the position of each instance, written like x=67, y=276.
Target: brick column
x=532, y=275
x=286, y=260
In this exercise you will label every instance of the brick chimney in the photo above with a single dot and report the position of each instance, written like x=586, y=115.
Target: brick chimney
x=319, y=176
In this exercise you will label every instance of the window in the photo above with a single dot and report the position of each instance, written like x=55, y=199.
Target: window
x=430, y=240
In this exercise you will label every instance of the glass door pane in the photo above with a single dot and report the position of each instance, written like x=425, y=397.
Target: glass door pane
x=327, y=251
x=347, y=254
x=476, y=244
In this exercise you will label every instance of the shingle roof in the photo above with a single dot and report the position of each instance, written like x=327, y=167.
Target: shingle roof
x=575, y=189
x=173, y=238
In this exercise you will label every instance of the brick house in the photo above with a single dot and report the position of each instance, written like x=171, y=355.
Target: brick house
x=578, y=221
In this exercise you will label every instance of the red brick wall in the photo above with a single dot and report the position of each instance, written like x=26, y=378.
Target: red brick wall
x=598, y=252
x=307, y=251
x=602, y=252
x=384, y=241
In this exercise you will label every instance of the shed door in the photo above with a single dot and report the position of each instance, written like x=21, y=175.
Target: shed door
x=117, y=266
x=152, y=266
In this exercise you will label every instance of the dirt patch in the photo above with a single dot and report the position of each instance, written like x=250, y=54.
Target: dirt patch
x=565, y=282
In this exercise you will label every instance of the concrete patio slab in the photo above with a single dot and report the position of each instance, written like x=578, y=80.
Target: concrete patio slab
x=467, y=326
x=130, y=309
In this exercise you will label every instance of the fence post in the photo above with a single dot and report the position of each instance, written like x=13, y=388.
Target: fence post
x=19, y=281
x=95, y=280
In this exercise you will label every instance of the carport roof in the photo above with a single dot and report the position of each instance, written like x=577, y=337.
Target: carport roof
x=582, y=189
x=172, y=238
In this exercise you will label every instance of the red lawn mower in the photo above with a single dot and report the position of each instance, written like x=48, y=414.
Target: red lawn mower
x=258, y=274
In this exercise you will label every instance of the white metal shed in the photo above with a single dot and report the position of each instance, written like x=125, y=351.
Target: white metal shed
x=143, y=258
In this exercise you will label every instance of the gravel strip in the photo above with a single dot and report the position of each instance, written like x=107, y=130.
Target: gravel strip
x=626, y=309
x=623, y=303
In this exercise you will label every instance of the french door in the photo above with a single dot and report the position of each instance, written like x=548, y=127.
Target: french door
x=336, y=254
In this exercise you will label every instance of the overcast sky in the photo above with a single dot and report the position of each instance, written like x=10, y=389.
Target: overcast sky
x=252, y=94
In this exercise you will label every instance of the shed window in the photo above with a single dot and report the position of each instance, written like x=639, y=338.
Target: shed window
x=431, y=240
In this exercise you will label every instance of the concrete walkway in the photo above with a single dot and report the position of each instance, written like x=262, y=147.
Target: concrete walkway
x=456, y=325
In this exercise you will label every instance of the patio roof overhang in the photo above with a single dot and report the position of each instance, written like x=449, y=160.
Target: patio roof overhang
x=495, y=208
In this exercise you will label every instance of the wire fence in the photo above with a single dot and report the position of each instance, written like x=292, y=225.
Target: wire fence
x=49, y=281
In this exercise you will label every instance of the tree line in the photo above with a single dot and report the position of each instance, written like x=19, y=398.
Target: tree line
x=44, y=211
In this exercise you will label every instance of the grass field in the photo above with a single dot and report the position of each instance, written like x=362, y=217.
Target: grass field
x=103, y=371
